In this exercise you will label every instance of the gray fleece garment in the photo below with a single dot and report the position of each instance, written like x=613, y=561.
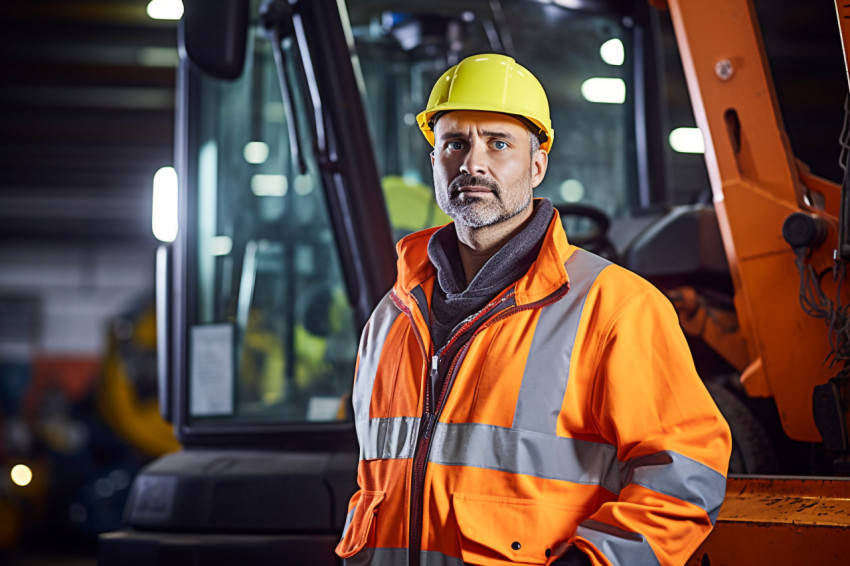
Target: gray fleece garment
x=453, y=301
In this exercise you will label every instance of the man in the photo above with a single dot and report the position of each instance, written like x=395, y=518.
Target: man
x=517, y=399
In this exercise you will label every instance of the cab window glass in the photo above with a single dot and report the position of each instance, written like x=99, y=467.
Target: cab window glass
x=403, y=47
x=273, y=338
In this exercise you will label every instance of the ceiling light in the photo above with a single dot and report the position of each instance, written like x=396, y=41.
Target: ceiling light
x=303, y=185
x=21, y=475
x=269, y=185
x=687, y=140
x=165, y=9
x=572, y=4
x=613, y=52
x=164, y=209
x=572, y=190
x=165, y=57
x=256, y=152
x=604, y=90
x=221, y=245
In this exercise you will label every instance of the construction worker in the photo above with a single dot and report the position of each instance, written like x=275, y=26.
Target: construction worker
x=518, y=399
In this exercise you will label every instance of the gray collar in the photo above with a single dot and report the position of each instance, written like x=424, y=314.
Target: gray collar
x=506, y=265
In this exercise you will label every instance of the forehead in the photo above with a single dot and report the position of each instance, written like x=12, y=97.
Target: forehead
x=467, y=121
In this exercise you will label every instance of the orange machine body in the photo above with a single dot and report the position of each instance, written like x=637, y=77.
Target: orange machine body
x=757, y=184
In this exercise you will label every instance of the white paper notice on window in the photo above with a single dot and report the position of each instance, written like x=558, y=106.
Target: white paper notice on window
x=323, y=408
x=211, y=386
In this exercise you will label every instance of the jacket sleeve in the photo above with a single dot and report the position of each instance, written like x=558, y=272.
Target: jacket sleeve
x=673, y=445
x=348, y=544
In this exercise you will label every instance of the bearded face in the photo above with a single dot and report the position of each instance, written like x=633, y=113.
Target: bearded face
x=484, y=169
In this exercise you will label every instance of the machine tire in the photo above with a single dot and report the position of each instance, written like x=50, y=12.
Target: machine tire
x=752, y=450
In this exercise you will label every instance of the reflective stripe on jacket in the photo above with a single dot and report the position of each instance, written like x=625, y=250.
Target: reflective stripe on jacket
x=572, y=414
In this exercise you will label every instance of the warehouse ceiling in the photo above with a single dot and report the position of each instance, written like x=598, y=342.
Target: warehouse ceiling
x=87, y=103
x=86, y=113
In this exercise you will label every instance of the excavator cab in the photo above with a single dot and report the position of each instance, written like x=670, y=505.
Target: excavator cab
x=301, y=165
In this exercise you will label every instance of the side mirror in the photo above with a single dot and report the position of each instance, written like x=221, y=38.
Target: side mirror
x=213, y=36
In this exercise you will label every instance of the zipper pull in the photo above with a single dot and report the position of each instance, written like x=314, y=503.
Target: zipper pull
x=430, y=421
x=432, y=376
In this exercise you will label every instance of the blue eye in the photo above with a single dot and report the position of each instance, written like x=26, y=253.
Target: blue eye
x=455, y=145
x=499, y=144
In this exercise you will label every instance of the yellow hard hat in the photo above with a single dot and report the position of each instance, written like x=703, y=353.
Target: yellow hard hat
x=493, y=83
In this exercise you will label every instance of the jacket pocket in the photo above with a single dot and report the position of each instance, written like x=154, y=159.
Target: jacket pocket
x=507, y=530
x=357, y=528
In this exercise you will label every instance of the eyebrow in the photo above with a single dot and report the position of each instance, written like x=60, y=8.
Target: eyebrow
x=484, y=133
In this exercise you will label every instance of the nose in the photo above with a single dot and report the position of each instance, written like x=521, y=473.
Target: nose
x=475, y=160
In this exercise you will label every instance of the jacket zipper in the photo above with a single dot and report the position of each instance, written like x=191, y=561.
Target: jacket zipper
x=417, y=476
x=499, y=314
x=496, y=311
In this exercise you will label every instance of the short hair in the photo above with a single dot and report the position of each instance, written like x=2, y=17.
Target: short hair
x=535, y=142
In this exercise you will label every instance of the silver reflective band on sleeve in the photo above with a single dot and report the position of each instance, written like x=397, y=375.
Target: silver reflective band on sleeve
x=680, y=477
x=387, y=438
x=525, y=452
x=348, y=521
x=621, y=548
x=398, y=556
x=544, y=381
x=371, y=344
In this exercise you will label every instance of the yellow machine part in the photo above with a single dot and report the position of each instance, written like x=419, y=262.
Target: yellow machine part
x=135, y=420
x=411, y=205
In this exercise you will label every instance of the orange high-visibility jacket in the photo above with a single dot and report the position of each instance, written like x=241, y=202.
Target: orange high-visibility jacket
x=570, y=413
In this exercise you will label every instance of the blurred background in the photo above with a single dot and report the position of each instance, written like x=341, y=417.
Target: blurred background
x=86, y=120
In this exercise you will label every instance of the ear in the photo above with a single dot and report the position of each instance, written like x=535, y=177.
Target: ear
x=539, y=163
x=432, y=158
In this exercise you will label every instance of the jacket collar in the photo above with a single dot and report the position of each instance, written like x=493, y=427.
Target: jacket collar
x=545, y=276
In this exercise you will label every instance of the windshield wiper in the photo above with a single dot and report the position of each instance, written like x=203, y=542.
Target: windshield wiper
x=277, y=21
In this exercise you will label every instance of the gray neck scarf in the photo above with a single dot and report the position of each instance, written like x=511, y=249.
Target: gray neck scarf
x=453, y=301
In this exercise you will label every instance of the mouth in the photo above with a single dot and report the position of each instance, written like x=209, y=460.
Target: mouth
x=474, y=189
x=470, y=186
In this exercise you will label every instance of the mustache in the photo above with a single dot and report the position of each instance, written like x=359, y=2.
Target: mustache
x=466, y=180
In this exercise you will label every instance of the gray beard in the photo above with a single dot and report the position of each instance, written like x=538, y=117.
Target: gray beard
x=479, y=214
x=472, y=211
